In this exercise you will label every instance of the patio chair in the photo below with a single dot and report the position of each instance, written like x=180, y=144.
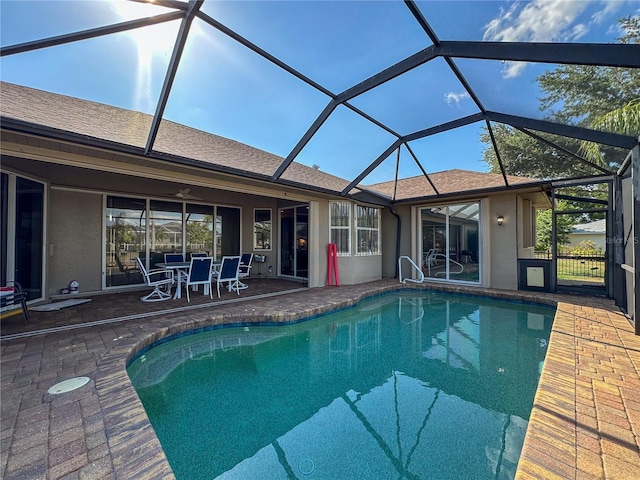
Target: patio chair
x=125, y=268
x=430, y=258
x=159, y=279
x=228, y=273
x=245, y=267
x=175, y=258
x=13, y=296
x=199, y=274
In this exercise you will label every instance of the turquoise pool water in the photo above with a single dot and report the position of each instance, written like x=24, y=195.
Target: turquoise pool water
x=412, y=385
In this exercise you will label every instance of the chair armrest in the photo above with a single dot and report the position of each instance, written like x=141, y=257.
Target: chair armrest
x=159, y=274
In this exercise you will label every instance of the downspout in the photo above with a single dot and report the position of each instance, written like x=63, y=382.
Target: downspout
x=398, y=230
x=393, y=212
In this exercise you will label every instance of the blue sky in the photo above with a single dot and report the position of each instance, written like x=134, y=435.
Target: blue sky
x=222, y=87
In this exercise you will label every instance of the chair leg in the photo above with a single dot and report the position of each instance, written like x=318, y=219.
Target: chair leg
x=156, y=295
x=25, y=310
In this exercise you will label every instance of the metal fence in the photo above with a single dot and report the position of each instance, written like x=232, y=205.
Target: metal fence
x=578, y=267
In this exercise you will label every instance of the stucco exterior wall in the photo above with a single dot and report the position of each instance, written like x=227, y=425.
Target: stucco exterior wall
x=597, y=238
x=75, y=241
x=359, y=269
x=503, y=242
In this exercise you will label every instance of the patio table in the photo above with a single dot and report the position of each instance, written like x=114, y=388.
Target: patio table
x=179, y=268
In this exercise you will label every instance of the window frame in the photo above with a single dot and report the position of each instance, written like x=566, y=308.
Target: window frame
x=347, y=227
x=255, y=231
x=359, y=229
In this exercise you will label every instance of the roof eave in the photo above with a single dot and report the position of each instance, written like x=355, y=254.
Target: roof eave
x=542, y=185
x=20, y=126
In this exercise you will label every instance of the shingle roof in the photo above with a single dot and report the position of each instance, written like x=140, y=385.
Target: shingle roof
x=130, y=128
x=446, y=182
x=597, y=226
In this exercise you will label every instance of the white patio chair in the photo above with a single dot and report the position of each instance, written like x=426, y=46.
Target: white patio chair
x=245, y=268
x=430, y=258
x=159, y=279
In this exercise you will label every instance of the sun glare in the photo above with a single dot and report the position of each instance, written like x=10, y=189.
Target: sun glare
x=152, y=40
x=153, y=43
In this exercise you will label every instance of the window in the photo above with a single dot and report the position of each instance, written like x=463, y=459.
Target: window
x=199, y=222
x=227, y=231
x=339, y=226
x=367, y=230
x=262, y=229
x=145, y=228
x=125, y=239
x=165, y=229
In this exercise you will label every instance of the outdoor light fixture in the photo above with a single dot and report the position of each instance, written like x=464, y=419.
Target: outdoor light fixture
x=500, y=220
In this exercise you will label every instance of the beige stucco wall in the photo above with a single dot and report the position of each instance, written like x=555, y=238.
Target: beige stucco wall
x=352, y=269
x=359, y=269
x=503, y=242
x=75, y=229
x=76, y=215
x=75, y=241
x=597, y=238
x=499, y=244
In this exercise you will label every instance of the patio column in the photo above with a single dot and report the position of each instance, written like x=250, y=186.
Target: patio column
x=313, y=245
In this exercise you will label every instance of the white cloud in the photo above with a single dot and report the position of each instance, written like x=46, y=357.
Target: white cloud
x=513, y=69
x=579, y=31
x=456, y=98
x=607, y=9
x=536, y=21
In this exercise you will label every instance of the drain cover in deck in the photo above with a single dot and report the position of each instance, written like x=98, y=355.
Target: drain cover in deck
x=68, y=385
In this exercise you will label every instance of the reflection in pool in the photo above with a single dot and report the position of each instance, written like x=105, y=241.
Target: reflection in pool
x=412, y=385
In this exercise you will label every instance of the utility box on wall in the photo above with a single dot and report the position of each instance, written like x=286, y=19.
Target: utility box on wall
x=534, y=274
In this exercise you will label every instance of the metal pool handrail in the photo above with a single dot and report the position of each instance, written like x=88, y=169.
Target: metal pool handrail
x=405, y=280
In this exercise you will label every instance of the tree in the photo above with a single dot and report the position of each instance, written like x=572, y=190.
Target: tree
x=525, y=156
x=600, y=98
x=591, y=96
x=564, y=226
x=625, y=120
x=199, y=233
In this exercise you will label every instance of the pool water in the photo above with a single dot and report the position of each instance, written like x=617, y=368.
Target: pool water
x=413, y=385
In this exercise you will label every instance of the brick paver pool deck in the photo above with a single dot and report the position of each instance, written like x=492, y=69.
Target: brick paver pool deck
x=585, y=423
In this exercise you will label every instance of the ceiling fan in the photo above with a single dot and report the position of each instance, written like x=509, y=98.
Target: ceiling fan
x=185, y=195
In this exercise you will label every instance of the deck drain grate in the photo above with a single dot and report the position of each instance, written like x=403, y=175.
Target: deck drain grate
x=68, y=385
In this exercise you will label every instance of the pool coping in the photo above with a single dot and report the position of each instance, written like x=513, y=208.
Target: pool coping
x=585, y=422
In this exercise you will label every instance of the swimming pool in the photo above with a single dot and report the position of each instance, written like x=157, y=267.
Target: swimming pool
x=407, y=385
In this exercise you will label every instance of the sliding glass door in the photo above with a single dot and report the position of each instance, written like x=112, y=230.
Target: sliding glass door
x=125, y=239
x=450, y=248
x=140, y=227
x=294, y=255
x=23, y=233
